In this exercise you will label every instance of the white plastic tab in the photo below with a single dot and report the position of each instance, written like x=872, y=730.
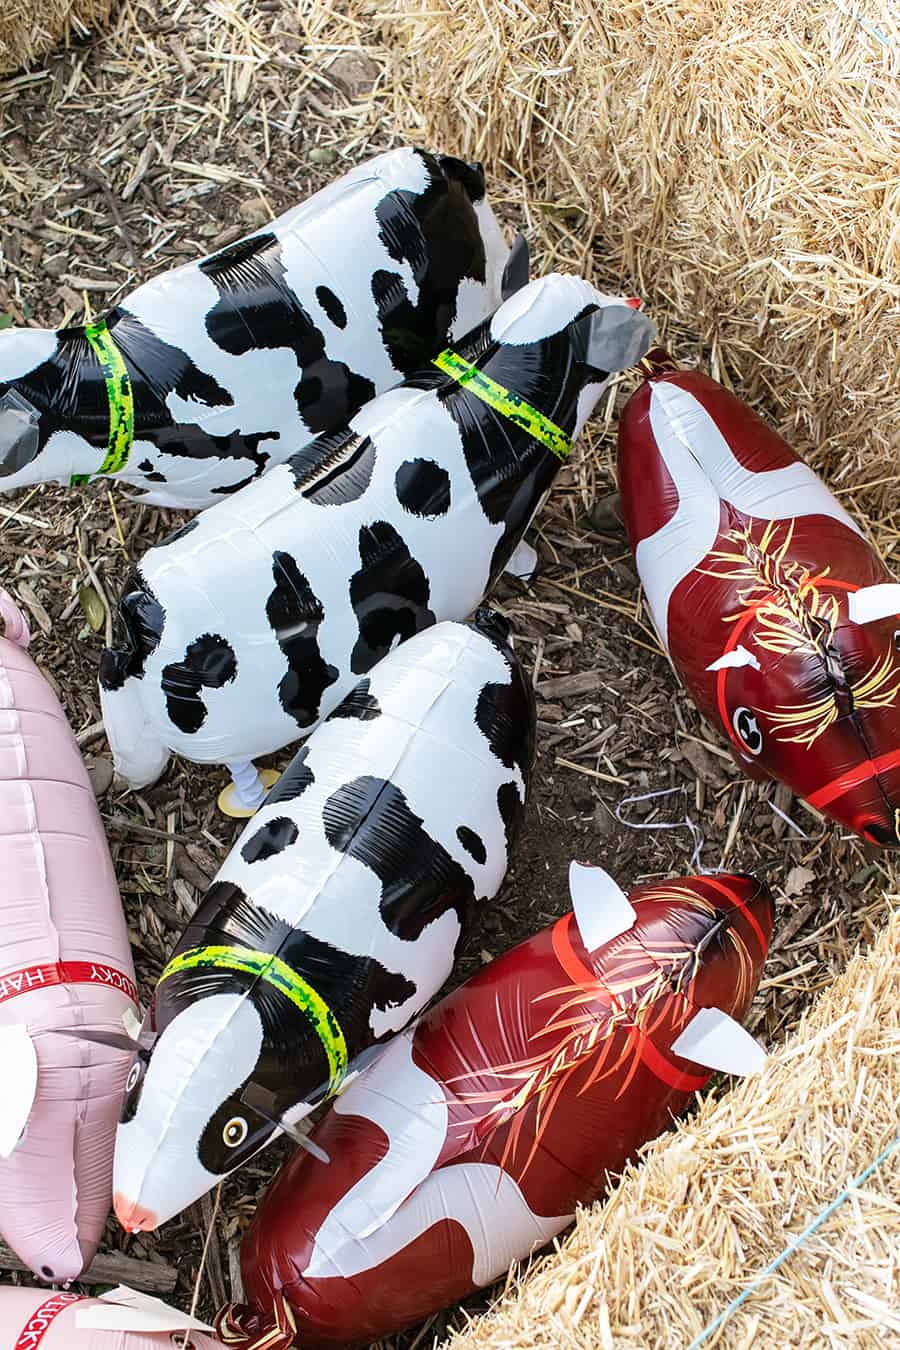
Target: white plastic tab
x=20, y=1075
x=735, y=659
x=125, y=1309
x=875, y=602
x=602, y=909
x=523, y=563
x=716, y=1040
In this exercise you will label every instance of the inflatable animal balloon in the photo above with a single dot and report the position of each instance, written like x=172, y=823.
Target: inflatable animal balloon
x=780, y=618
x=250, y=624
x=335, y=917
x=120, y=1320
x=65, y=967
x=204, y=377
x=476, y=1135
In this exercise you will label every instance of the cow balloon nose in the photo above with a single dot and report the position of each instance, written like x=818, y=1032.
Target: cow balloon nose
x=134, y=1218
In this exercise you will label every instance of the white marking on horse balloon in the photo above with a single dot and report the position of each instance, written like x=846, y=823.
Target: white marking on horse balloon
x=874, y=602
x=706, y=472
x=735, y=659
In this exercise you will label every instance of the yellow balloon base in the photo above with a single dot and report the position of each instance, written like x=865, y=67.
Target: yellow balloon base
x=230, y=804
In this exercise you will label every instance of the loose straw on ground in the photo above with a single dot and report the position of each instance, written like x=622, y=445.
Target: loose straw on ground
x=717, y=1201
x=31, y=28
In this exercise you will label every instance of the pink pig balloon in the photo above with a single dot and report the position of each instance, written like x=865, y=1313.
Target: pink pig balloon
x=65, y=965
x=35, y=1319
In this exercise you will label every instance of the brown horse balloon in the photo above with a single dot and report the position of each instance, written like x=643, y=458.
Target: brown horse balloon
x=780, y=618
x=475, y=1136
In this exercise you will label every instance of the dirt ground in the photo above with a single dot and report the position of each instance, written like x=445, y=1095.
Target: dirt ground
x=164, y=140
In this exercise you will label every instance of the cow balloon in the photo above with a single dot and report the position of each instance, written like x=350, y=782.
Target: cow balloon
x=476, y=1135
x=780, y=618
x=120, y=1320
x=65, y=966
x=335, y=917
x=204, y=377
x=246, y=627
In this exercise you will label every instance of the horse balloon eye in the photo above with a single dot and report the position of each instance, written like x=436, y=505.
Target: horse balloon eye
x=134, y=1075
x=897, y=638
x=235, y=1132
x=746, y=728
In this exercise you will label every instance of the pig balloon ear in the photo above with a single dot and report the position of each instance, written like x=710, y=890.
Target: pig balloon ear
x=717, y=1041
x=518, y=264
x=20, y=1075
x=602, y=909
x=125, y=1309
x=612, y=337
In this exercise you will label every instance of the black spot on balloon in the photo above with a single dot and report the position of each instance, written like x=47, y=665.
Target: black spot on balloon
x=156, y=478
x=295, y=614
x=423, y=488
x=389, y=595
x=297, y=777
x=270, y=840
x=359, y=703
x=512, y=813
x=145, y=465
x=335, y=468
x=472, y=843
x=370, y=820
x=138, y=627
x=209, y=663
x=259, y=310
x=332, y=306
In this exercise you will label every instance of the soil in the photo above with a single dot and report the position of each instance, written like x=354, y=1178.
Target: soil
x=140, y=149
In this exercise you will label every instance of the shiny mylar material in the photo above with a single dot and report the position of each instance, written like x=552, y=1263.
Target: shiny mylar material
x=240, y=632
x=65, y=967
x=781, y=619
x=336, y=915
x=204, y=377
x=475, y=1136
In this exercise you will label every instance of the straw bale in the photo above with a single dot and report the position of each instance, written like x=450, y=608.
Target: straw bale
x=31, y=28
x=736, y=162
x=716, y=1200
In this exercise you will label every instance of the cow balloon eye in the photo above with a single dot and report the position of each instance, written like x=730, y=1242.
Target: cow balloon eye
x=235, y=1132
x=746, y=728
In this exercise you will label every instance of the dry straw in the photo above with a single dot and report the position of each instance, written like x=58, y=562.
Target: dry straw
x=736, y=161
x=713, y=1203
x=31, y=28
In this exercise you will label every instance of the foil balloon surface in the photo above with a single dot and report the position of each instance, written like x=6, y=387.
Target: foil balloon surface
x=204, y=377
x=32, y=1319
x=336, y=915
x=780, y=618
x=65, y=967
x=239, y=633
x=475, y=1136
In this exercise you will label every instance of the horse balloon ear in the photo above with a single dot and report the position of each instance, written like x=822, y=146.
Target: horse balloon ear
x=602, y=909
x=20, y=1076
x=518, y=265
x=612, y=337
x=124, y=1309
x=715, y=1040
x=874, y=602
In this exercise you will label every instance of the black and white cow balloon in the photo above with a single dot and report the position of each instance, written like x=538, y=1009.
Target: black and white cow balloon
x=252, y=622
x=204, y=377
x=336, y=915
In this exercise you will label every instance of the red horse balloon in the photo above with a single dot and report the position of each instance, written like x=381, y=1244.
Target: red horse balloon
x=474, y=1137
x=65, y=969
x=782, y=621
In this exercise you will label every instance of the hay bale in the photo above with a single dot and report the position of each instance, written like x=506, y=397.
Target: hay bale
x=31, y=28
x=735, y=162
x=718, y=1199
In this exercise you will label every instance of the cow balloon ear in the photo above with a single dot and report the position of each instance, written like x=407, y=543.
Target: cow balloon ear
x=612, y=337
x=518, y=266
x=124, y=1309
x=20, y=1075
x=602, y=909
x=874, y=602
x=715, y=1040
